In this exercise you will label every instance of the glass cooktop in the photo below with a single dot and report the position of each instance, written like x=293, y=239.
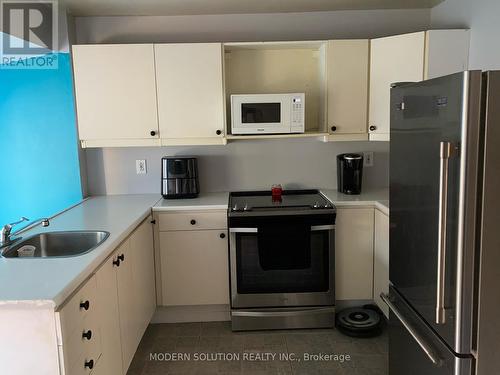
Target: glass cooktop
x=290, y=199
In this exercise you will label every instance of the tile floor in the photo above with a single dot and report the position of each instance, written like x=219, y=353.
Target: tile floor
x=217, y=349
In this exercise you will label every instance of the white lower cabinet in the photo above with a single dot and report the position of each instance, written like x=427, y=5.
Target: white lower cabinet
x=381, y=260
x=194, y=263
x=102, y=324
x=354, y=254
x=107, y=300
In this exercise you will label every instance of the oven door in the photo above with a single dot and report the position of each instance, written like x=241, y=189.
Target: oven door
x=260, y=114
x=272, y=267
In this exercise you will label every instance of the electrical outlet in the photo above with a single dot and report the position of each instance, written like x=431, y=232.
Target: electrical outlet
x=368, y=159
x=140, y=167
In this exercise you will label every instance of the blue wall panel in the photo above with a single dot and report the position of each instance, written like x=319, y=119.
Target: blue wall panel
x=39, y=173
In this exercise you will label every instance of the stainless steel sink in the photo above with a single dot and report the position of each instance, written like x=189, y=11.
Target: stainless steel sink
x=55, y=244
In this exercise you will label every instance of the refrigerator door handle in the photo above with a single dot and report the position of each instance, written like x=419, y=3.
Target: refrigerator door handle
x=436, y=361
x=445, y=152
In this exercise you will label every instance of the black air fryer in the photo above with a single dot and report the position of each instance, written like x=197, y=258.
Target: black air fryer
x=349, y=173
x=179, y=177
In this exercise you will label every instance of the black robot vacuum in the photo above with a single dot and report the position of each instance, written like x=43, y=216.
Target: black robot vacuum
x=365, y=321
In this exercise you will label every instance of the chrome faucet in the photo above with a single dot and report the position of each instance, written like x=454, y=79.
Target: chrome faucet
x=6, y=231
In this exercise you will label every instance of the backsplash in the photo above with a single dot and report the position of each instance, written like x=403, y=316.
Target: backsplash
x=240, y=165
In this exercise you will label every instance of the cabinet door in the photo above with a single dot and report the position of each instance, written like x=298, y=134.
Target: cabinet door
x=109, y=319
x=393, y=59
x=354, y=254
x=190, y=92
x=347, y=77
x=194, y=267
x=127, y=305
x=381, y=260
x=115, y=91
x=141, y=243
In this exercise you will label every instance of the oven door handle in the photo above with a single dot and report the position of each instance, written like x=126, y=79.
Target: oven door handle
x=243, y=230
x=315, y=228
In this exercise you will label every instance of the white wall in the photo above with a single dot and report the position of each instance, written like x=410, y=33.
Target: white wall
x=241, y=165
x=250, y=27
x=482, y=17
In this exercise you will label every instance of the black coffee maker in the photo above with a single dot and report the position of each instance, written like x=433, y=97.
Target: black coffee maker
x=349, y=173
x=179, y=177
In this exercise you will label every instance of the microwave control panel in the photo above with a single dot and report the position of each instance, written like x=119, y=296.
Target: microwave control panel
x=297, y=114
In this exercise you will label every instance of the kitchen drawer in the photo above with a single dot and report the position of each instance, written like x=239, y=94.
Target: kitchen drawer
x=193, y=220
x=80, y=369
x=75, y=345
x=81, y=306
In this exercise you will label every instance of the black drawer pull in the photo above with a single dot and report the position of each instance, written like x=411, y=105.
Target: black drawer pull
x=87, y=335
x=121, y=257
x=193, y=222
x=222, y=235
x=116, y=263
x=333, y=128
x=89, y=364
x=85, y=305
x=373, y=127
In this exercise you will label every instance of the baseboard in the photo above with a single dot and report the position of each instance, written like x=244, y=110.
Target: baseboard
x=192, y=313
x=217, y=313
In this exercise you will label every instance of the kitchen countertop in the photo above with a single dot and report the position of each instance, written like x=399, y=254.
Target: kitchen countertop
x=47, y=282
x=379, y=198
x=207, y=201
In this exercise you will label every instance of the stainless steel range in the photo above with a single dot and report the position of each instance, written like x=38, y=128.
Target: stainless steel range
x=282, y=260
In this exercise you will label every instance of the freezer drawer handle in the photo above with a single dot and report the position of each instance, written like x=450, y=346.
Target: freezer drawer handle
x=445, y=152
x=418, y=338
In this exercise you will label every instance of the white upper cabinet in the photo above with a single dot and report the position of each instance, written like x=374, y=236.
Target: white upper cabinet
x=393, y=59
x=410, y=58
x=190, y=93
x=347, y=89
x=446, y=52
x=115, y=94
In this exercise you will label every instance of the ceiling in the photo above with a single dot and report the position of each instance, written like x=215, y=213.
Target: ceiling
x=198, y=7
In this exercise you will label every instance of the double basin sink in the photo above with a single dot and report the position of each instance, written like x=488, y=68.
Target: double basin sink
x=55, y=244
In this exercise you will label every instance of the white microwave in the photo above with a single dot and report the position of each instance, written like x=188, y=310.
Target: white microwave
x=267, y=113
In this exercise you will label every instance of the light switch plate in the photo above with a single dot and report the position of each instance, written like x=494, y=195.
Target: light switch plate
x=368, y=159
x=140, y=167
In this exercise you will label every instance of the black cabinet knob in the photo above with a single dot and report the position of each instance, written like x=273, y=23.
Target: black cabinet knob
x=89, y=364
x=121, y=257
x=333, y=128
x=193, y=222
x=222, y=235
x=218, y=132
x=153, y=133
x=87, y=335
x=373, y=127
x=116, y=262
x=85, y=305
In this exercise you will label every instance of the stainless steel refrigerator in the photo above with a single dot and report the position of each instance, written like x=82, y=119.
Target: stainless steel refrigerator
x=444, y=296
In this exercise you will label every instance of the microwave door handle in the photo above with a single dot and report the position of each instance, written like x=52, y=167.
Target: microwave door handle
x=445, y=152
x=436, y=361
